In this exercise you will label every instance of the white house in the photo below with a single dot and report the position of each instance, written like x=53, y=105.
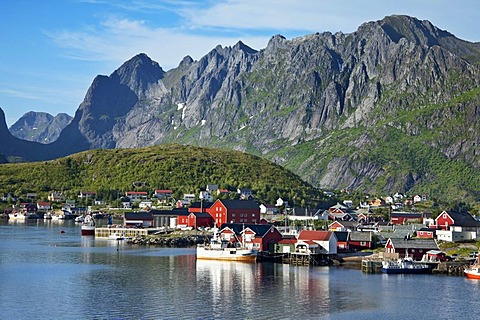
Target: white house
x=189, y=197
x=146, y=204
x=136, y=195
x=280, y=202
x=268, y=209
x=205, y=195
x=312, y=241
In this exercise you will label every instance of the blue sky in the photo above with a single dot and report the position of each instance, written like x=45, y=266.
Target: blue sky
x=51, y=50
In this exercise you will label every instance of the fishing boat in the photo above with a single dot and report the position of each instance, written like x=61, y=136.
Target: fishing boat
x=405, y=266
x=88, y=226
x=218, y=249
x=473, y=271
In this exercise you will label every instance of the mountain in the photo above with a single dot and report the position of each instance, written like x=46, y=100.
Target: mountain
x=40, y=126
x=392, y=107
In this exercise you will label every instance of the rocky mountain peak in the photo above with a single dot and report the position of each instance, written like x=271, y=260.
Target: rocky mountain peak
x=41, y=127
x=416, y=31
x=240, y=46
x=276, y=42
x=3, y=125
x=138, y=72
x=186, y=62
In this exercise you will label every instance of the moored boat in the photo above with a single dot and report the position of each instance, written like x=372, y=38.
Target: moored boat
x=473, y=271
x=88, y=226
x=218, y=249
x=405, y=266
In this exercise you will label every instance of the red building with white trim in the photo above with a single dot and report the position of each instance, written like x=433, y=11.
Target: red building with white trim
x=235, y=211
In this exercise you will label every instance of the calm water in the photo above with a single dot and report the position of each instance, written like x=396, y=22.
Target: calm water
x=46, y=274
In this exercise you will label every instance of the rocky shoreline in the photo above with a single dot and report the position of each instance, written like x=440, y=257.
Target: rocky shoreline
x=171, y=240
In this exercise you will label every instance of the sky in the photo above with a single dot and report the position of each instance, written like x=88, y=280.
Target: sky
x=51, y=50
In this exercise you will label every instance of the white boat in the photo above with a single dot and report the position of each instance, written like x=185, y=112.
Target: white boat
x=79, y=219
x=218, y=249
x=405, y=266
x=473, y=271
x=88, y=226
x=17, y=216
x=47, y=215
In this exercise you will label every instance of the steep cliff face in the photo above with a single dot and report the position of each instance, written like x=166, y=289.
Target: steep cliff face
x=357, y=110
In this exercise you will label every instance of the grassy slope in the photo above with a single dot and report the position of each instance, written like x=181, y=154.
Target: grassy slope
x=184, y=169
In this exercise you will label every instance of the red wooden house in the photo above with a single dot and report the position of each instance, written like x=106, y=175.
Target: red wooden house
x=342, y=240
x=235, y=211
x=444, y=220
x=200, y=206
x=426, y=233
x=200, y=220
x=339, y=225
x=414, y=248
x=405, y=217
x=259, y=237
x=359, y=240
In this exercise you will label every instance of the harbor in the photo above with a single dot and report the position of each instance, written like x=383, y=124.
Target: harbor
x=99, y=279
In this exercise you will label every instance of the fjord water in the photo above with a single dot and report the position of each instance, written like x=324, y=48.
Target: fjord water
x=49, y=274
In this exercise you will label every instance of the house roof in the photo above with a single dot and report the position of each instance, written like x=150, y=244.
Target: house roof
x=198, y=204
x=346, y=224
x=408, y=215
x=314, y=235
x=201, y=215
x=259, y=229
x=360, y=236
x=463, y=219
x=425, y=244
x=240, y=204
x=173, y=212
x=304, y=212
x=341, y=235
x=142, y=215
x=288, y=241
x=163, y=191
x=135, y=192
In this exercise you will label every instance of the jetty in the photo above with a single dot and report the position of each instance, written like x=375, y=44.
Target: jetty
x=109, y=232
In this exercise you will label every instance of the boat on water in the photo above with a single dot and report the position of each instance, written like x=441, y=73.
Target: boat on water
x=405, y=266
x=218, y=249
x=88, y=226
x=47, y=215
x=21, y=216
x=473, y=271
x=79, y=219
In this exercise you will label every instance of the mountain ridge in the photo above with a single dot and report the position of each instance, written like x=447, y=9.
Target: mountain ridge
x=320, y=105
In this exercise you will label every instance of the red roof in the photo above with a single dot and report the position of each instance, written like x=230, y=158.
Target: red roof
x=136, y=192
x=163, y=191
x=288, y=241
x=314, y=235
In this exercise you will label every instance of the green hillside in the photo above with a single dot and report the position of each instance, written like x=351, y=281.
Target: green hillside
x=183, y=169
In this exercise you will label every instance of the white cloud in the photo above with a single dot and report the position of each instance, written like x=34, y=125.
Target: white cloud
x=117, y=40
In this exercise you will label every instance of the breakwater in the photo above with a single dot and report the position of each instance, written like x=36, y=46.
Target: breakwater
x=179, y=240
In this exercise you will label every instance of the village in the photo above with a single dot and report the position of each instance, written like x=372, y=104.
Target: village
x=278, y=232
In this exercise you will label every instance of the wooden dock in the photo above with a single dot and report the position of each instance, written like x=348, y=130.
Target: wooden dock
x=104, y=232
x=371, y=266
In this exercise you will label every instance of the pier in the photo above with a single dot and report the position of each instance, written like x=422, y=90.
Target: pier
x=105, y=232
